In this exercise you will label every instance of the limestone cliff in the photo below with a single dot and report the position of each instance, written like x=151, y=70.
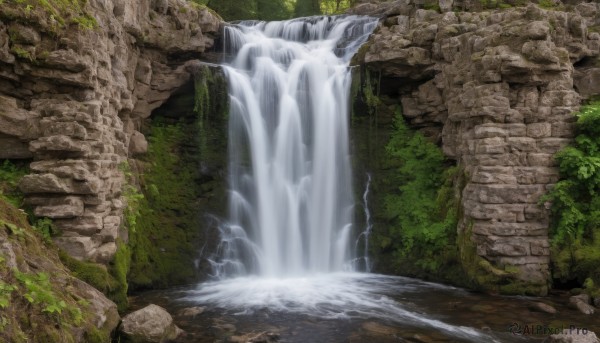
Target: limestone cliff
x=497, y=90
x=73, y=97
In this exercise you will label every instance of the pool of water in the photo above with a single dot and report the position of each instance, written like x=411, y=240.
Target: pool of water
x=356, y=307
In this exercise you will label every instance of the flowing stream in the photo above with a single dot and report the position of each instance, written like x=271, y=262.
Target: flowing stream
x=289, y=258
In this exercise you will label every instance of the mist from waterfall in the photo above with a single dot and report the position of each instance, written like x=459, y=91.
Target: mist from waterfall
x=291, y=199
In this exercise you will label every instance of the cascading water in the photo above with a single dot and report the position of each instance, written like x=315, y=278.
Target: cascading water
x=291, y=202
x=288, y=244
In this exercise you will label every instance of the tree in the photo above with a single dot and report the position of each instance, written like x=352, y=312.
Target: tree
x=234, y=9
x=272, y=10
x=306, y=8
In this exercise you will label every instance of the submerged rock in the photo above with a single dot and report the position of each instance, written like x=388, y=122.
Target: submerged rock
x=541, y=307
x=191, y=311
x=262, y=337
x=152, y=324
x=581, y=302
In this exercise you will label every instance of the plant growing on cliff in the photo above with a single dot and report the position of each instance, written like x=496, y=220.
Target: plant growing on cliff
x=10, y=174
x=132, y=196
x=5, y=292
x=423, y=209
x=575, y=200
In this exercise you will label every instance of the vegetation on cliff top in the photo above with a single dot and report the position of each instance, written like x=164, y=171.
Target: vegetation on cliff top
x=55, y=14
x=575, y=199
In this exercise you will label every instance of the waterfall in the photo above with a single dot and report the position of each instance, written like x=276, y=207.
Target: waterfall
x=291, y=199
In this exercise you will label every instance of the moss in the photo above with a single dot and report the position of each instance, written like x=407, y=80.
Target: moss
x=94, y=335
x=52, y=15
x=110, y=282
x=432, y=6
x=181, y=173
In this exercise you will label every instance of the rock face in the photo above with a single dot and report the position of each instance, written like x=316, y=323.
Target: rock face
x=74, y=101
x=497, y=90
x=152, y=324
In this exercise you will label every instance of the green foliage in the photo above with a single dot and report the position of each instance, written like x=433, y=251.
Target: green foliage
x=575, y=200
x=112, y=281
x=270, y=10
x=5, y=292
x=547, y=4
x=160, y=242
x=85, y=21
x=10, y=175
x=432, y=6
x=12, y=228
x=422, y=210
x=119, y=268
x=39, y=291
x=132, y=196
x=60, y=12
x=45, y=228
x=21, y=53
x=335, y=6
x=306, y=8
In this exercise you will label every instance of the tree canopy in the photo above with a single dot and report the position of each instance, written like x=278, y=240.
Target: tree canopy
x=270, y=10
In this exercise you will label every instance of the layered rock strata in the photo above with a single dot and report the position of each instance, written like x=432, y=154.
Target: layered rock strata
x=498, y=90
x=73, y=99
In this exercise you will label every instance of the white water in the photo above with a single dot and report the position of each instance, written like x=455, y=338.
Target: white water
x=288, y=242
x=291, y=201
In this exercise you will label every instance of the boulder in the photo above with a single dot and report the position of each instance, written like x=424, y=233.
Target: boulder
x=152, y=324
x=581, y=303
x=137, y=143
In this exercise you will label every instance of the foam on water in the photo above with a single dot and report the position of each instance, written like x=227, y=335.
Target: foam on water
x=331, y=296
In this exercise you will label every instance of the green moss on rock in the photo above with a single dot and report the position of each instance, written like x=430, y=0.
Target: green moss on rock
x=182, y=180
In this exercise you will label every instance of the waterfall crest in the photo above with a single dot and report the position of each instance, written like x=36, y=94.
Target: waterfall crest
x=291, y=200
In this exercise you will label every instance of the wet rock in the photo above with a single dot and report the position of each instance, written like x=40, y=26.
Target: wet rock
x=581, y=303
x=573, y=336
x=541, y=307
x=225, y=327
x=262, y=337
x=191, y=311
x=152, y=324
x=379, y=329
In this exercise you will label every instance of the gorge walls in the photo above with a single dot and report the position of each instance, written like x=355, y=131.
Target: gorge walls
x=497, y=90
x=73, y=98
